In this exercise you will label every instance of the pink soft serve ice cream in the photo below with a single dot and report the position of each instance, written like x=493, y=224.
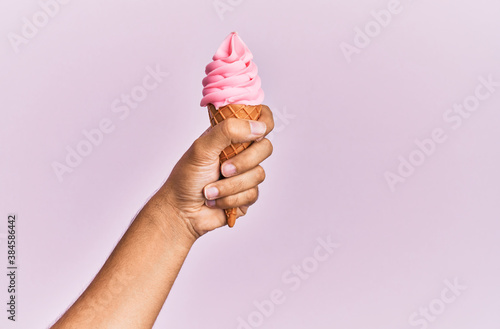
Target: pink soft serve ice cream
x=232, y=76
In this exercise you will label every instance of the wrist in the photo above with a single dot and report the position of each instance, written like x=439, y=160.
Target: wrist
x=170, y=221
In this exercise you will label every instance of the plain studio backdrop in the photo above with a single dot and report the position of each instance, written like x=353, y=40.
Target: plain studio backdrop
x=381, y=205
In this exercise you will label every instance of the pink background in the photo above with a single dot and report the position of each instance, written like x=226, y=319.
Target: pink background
x=340, y=127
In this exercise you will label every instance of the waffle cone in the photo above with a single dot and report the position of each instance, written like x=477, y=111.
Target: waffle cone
x=239, y=111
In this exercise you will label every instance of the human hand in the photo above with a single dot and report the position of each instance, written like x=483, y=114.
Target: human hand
x=193, y=190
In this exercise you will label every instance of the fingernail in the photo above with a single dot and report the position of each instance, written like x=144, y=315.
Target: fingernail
x=210, y=203
x=228, y=170
x=257, y=128
x=211, y=193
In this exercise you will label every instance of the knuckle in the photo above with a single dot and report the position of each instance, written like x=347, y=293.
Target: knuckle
x=238, y=185
x=268, y=145
x=197, y=147
x=261, y=173
x=270, y=124
x=244, y=210
x=235, y=199
x=222, y=189
x=253, y=195
x=231, y=188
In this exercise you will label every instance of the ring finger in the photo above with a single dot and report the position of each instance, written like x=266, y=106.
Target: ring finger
x=245, y=198
x=233, y=185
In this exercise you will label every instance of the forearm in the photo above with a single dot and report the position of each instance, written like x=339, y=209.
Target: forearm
x=130, y=289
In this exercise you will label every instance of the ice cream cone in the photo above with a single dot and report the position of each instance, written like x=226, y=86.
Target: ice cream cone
x=239, y=111
x=232, y=81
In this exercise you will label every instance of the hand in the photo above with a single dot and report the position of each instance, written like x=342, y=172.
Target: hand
x=194, y=191
x=167, y=226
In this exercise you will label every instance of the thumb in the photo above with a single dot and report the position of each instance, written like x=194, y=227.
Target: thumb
x=229, y=132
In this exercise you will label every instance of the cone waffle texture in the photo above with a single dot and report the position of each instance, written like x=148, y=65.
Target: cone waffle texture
x=239, y=111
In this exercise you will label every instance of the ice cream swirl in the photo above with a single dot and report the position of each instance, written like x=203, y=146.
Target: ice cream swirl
x=232, y=76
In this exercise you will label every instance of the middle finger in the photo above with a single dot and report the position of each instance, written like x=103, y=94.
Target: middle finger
x=248, y=159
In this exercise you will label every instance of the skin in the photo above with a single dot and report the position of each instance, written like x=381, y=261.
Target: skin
x=132, y=286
